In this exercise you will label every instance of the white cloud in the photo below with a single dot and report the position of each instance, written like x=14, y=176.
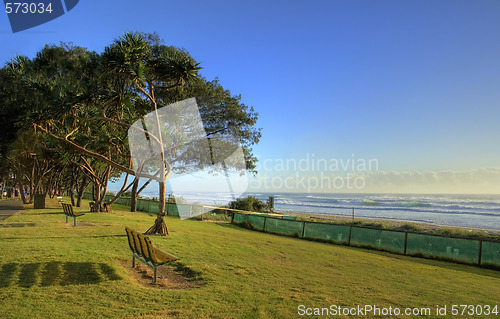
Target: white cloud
x=481, y=180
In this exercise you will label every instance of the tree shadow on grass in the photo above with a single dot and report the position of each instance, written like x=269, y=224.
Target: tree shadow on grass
x=66, y=237
x=58, y=212
x=55, y=273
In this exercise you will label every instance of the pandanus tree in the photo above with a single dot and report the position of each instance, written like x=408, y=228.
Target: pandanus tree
x=87, y=103
x=191, y=124
x=151, y=68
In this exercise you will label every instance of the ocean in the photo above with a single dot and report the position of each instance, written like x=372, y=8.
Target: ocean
x=471, y=211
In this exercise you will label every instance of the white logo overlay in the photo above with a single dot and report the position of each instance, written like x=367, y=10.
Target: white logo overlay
x=176, y=133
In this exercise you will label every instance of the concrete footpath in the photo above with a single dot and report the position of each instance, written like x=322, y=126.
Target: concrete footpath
x=9, y=207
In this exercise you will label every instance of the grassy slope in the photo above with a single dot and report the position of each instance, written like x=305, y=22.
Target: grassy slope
x=49, y=269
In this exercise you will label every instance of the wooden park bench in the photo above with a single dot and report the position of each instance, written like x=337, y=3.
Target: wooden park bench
x=143, y=249
x=68, y=211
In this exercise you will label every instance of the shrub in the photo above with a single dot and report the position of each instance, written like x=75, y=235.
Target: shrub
x=249, y=203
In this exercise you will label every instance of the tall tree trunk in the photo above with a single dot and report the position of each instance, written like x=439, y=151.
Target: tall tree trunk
x=72, y=196
x=106, y=177
x=133, y=196
x=71, y=190
x=160, y=228
x=81, y=189
x=23, y=196
x=97, y=198
x=32, y=191
x=3, y=189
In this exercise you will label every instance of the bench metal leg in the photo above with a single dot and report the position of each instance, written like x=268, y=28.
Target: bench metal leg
x=66, y=218
x=133, y=261
x=154, y=275
x=74, y=224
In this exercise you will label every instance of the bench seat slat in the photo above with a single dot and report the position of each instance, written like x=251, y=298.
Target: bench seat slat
x=163, y=257
x=143, y=249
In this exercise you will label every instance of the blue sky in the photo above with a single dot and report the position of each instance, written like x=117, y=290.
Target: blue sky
x=413, y=84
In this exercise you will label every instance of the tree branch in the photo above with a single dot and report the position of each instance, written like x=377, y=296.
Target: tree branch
x=98, y=156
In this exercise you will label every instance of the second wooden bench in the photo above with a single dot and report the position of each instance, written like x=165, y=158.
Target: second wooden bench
x=68, y=211
x=143, y=249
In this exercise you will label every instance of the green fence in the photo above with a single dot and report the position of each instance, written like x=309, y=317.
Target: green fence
x=459, y=249
x=490, y=253
x=336, y=233
x=283, y=226
x=257, y=222
x=180, y=210
x=392, y=241
x=465, y=250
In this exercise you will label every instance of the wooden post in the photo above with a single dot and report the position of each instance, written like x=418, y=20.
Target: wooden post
x=349, y=240
x=406, y=242
x=480, y=252
x=303, y=228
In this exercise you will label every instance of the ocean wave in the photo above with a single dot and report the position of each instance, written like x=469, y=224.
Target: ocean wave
x=377, y=206
x=369, y=203
x=463, y=210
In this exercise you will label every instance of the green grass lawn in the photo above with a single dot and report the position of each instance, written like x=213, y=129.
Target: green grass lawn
x=49, y=269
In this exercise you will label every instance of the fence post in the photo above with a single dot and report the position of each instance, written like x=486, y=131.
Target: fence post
x=480, y=252
x=303, y=228
x=406, y=242
x=349, y=240
x=232, y=217
x=264, y=227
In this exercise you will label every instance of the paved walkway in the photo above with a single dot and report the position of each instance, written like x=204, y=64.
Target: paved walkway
x=9, y=207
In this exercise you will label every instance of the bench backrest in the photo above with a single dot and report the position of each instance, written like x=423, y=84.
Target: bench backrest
x=68, y=209
x=145, y=247
x=135, y=244
x=131, y=242
x=141, y=245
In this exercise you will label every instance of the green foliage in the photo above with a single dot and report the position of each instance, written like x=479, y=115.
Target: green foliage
x=177, y=199
x=84, y=103
x=249, y=203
